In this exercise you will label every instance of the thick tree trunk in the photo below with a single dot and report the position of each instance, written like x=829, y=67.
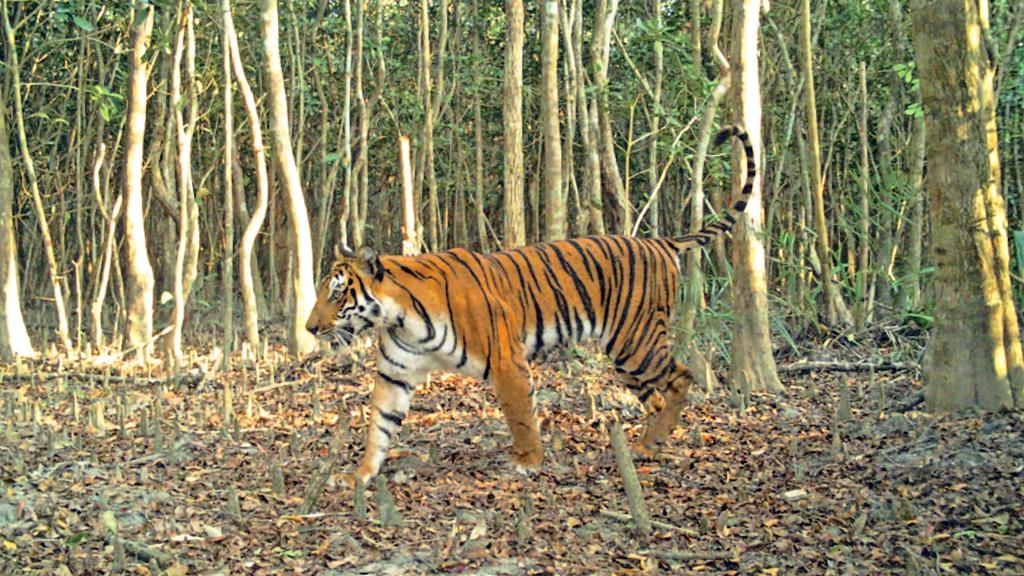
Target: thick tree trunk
x=554, y=200
x=974, y=355
x=139, y=278
x=301, y=341
x=512, y=114
x=14, y=340
x=753, y=366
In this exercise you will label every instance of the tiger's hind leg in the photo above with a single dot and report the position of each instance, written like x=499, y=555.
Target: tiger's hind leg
x=513, y=386
x=661, y=383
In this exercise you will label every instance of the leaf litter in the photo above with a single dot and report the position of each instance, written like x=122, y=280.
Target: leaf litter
x=162, y=482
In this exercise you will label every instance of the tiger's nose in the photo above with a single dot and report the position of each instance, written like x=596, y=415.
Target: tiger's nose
x=312, y=329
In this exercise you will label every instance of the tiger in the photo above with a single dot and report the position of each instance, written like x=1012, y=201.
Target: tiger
x=488, y=315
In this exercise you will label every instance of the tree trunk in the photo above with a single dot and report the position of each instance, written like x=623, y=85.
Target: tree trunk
x=478, y=134
x=301, y=341
x=512, y=114
x=227, y=269
x=186, y=226
x=753, y=366
x=588, y=135
x=604, y=22
x=974, y=355
x=656, y=113
x=863, y=309
x=139, y=278
x=37, y=199
x=916, y=233
x=693, y=296
x=252, y=229
x=554, y=200
x=834, y=308
x=14, y=340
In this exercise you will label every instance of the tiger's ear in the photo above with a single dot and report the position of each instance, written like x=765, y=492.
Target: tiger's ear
x=369, y=262
x=342, y=251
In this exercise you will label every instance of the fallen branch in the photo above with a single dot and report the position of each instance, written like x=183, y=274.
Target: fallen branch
x=624, y=517
x=140, y=551
x=838, y=366
x=634, y=495
x=687, y=555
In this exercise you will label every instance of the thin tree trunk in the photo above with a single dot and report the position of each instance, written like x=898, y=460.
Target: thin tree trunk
x=753, y=366
x=227, y=269
x=656, y=113
x=512, y=115
x=139, y=278
x=187, y=225
x=916, y=234
x=37, y=198
x=863, y=309
x=14, y=339
x=301, y=341
x=604, y=22
x=832, y=297
x=478, y=134
x=693, y=297
x=245, y=248
x=588, y=135
x=554, y=201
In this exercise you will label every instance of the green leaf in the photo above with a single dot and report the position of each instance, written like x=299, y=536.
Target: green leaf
x=82, y=23
x=76, y=538
x=331, y=158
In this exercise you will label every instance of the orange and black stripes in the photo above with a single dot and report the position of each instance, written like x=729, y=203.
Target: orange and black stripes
x=486, y=315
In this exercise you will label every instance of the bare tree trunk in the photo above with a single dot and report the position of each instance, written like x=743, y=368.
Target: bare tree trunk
x=604, y=22
x=753, y=366
x=693, y=297
x=183, y=47
x=301, y=341
x=554, y=200
x=478, y=134
x=916, y=233
x=245, y=248
x=227, y=269
x=834, y=314
x=588, y=134
x=410, y=244
x=139, y=278
x=96, y=308
x=512, y=114
x=14, y=340
x=863, y=309
x=37, y=199
x=652, y=147
x=974, y=355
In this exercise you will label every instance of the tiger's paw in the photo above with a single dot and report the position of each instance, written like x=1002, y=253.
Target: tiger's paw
x=528, y=463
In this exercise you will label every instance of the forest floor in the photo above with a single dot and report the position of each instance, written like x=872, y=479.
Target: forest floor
x=772, y=491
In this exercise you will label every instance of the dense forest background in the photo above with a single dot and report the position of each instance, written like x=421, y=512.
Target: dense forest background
x=175, y=175
x=631, y=89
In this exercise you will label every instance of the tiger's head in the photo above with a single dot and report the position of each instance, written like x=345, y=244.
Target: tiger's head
x=345, y=303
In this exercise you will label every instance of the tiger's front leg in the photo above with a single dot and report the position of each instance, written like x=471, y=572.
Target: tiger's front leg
x=392, y=392
x=514, y=388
